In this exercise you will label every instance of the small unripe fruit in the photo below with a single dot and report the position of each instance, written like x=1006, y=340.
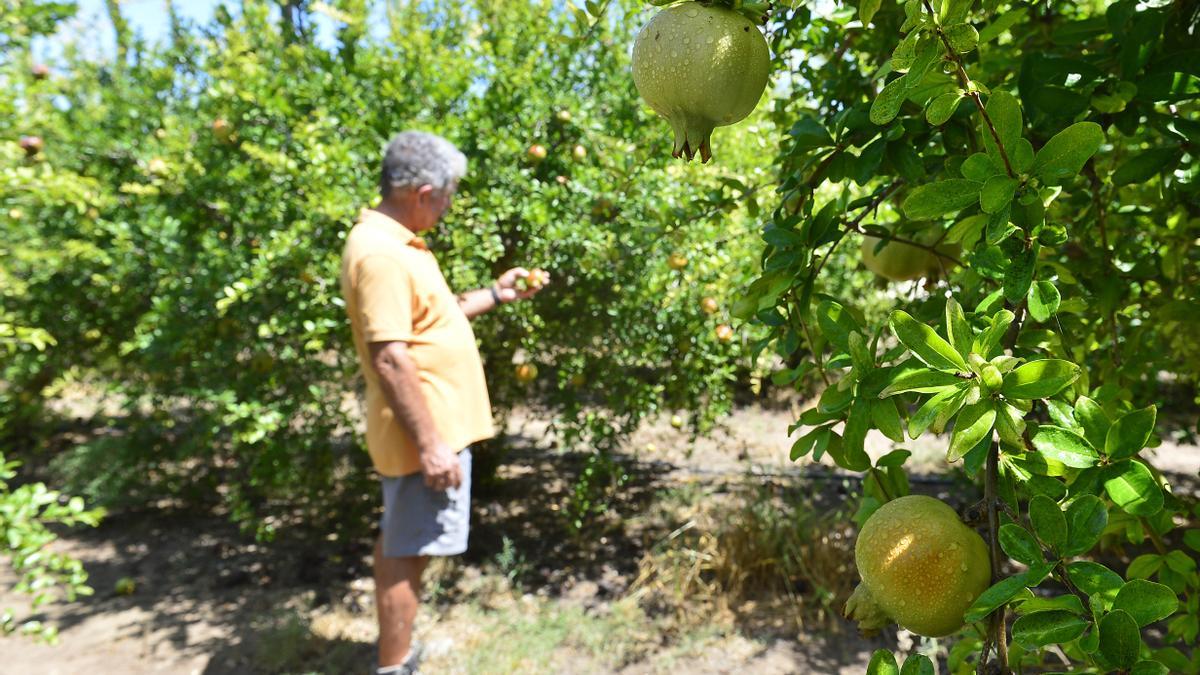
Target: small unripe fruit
x=160, y=133
x=709, y=305
x=563, y=115
x=40, y=71
x=724, y=333
x=578, y=380
x=562, y=180
x=157, y=166
x=222, y=129
x=526, y=373
x=32, y=145
x=579, y=153
x=536, y=153
x=603, y=208
x=676, y=261
x=125, y=586
x=676, y=421
x=15, y=214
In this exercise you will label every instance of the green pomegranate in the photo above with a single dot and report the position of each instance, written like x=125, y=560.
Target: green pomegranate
x=920, y=566
x=700, y=68
x=898, y=261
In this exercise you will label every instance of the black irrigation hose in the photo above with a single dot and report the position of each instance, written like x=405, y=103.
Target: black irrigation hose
x=680, y=474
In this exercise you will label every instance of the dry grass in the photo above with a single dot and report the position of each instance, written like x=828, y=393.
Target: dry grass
x=750, y=556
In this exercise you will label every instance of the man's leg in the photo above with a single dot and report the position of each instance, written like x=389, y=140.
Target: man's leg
x=397, y=594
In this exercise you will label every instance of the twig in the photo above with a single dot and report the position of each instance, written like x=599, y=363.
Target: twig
x=1102, y=221
x=965, y=81
x=999, y=627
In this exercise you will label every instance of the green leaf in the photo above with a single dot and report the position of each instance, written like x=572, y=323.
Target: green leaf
x=1022, y=155
x=997, y=192
x=887, y=104
x=942, y=107
x=1094, y=579
x=979, y=167
x=906, y=52
x=922, y=380
x=1010, y=424
x=1005, y=113
x=836, y=324
x=1146, y=601
x=1020, y=545
x=1147, y=668
x=1065, y=446
x=1144, y=566
x=882, y=663
x=1120, y=641
x=1064, y=155
x=917, y=664
x=1048, y=521
x=1039, y=379
x=944, y=403
x=1039, y=629
x=962, y=37
x=867, y=9
x=957, y=329
x=1061, y=413
x=967, y=231
x=805, y=443
x=954, y=11
x=1043, y=300
x=1094, y=421
x=886, y=418
x=1130, y=433
x=1004, y=590
x=934, y=200
x=1019, y=275
x=858, y=423
x=973, y=423
x=1066, y=603
x=1001, y=24
x=1087, y=516
x=926, y=344
x=1144, y=166
x=987, y=343
x=1133, y=488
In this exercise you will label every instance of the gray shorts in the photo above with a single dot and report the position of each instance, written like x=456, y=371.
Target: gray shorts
x=418, y=520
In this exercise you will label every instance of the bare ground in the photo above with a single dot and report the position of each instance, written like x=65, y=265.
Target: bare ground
x=209, y=601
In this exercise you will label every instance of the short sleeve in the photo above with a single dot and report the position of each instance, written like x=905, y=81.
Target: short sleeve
x=385, y=299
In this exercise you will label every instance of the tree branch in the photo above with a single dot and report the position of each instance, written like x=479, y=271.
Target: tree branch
x=965, y=82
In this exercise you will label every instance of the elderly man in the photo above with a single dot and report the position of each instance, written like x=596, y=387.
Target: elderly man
x=426, y=396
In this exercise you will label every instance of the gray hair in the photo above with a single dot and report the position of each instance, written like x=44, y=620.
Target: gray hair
x=416, y=158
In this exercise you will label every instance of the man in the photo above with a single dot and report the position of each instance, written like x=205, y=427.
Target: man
x=426, y=396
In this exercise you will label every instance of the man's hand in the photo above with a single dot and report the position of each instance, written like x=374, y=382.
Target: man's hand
x=507, y=286
x=440, y=467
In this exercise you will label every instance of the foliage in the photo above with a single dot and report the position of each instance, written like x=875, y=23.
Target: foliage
x=25, y=514
x=179, y=237
x=1055, y=143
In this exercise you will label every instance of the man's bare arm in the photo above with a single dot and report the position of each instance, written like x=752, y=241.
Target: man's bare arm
x=476, y=302
x=402, y=390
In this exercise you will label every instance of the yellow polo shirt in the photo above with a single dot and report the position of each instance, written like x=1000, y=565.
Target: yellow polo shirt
x=394, y=290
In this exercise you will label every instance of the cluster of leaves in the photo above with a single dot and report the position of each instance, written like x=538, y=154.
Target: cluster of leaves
x=178, y=237
x=1055, y=144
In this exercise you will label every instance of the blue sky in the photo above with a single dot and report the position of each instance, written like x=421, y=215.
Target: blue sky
x=149, y=17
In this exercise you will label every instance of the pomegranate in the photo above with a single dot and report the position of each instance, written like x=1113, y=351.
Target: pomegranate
x=700, y=67
x=921, y=567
